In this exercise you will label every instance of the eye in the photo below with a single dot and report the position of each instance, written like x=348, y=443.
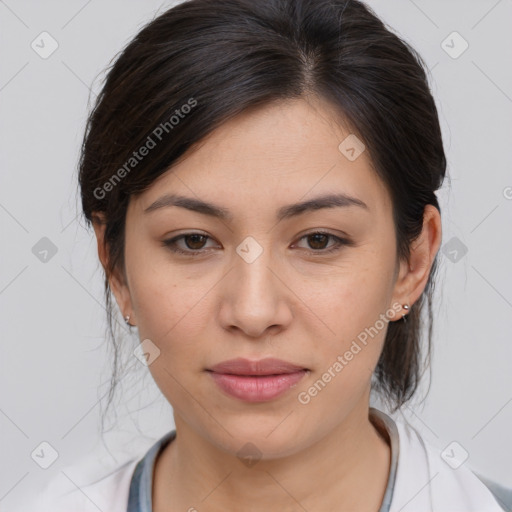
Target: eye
x=193, y=241
x=318, y=241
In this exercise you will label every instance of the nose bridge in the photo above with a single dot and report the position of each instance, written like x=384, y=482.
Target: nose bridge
x=254, y=280
x=255, y=296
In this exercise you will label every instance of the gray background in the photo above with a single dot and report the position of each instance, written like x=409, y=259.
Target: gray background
x=54, y=366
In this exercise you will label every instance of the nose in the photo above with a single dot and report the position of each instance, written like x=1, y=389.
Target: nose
x=255, y=298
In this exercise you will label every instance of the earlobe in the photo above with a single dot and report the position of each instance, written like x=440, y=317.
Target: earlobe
x=117, y=283
x=122, y=294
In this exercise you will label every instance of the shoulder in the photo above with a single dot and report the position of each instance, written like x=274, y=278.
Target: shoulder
x=74, y=489
x=431, y=478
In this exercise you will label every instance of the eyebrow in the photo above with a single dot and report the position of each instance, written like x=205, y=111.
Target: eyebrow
x=285, y=212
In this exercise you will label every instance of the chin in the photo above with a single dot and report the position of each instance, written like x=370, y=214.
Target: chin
x=261, y=439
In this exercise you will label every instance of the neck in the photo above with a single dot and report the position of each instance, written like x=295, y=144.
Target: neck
x=347, y=468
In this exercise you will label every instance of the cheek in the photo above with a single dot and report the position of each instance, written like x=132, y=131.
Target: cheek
x=360, y=325
x=170, y=313
x=168, y=310
x=355, y=294
x=166, y=297
x=352, y=307
x=346, y=359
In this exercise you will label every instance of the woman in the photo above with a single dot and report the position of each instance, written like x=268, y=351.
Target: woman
x=261, y=180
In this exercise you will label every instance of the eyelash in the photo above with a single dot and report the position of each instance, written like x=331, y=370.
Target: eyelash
x=339, y=243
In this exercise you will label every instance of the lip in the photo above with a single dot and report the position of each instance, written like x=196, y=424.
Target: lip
x=267, y=366
x=256, y=381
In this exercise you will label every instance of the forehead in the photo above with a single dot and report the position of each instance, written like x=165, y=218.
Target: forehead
x=274, y=155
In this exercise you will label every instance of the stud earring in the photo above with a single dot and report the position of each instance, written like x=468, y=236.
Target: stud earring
x=127, y=320
x=406, y=307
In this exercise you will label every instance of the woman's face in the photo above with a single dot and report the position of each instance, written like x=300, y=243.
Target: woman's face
x=259, y=283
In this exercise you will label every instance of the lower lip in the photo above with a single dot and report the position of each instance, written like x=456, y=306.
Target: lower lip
x=256, y=388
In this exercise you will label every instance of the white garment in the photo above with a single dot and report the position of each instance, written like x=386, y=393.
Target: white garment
x=424, y=483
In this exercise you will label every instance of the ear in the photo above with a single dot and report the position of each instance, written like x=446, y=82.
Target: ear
x=414, y=273
x=117, y=280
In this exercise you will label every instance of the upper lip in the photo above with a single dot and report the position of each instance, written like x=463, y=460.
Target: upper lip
x=268, y=366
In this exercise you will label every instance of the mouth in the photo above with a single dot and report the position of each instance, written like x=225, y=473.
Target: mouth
x=256, y=381
x=262, y=367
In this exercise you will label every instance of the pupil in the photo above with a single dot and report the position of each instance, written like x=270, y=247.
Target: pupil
x=316, y=239
x=195, y=237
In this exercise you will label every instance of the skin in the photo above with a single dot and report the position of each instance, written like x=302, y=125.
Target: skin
x=291, y=303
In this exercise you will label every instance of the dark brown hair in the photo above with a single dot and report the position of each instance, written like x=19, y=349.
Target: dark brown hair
x=221, y=57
